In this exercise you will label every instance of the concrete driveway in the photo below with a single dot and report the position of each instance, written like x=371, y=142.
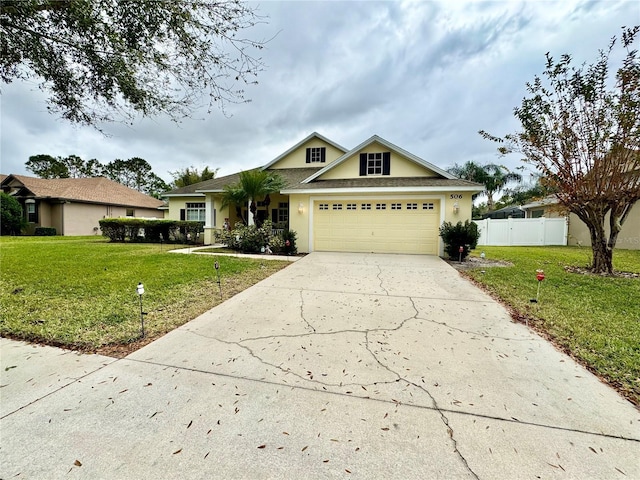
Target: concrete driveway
x=339, y=366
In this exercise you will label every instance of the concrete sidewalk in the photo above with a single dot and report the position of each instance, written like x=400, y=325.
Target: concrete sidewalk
x=340, y=365
x=199, y=251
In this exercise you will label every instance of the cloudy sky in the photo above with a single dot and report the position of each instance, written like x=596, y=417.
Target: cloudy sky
x=424, y=75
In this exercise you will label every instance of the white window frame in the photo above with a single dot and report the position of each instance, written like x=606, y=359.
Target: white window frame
x=283, y=213
x=374, y=163
x=315, y=154
x=195, y=209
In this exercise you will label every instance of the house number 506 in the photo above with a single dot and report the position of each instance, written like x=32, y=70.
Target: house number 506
x=456, y=196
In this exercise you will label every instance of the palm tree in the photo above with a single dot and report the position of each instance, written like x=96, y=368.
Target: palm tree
x=494, y=178
x=233, y=195
x=469, y=171
x=252, y=185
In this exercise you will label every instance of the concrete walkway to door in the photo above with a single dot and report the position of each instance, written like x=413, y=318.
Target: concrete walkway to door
x=339, y=366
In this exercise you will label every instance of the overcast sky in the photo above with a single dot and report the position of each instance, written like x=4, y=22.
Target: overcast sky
x=425, y=76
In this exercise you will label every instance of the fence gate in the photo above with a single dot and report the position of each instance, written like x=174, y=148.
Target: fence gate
x=523, y=231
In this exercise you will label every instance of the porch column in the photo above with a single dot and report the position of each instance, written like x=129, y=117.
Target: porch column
x=249, y=214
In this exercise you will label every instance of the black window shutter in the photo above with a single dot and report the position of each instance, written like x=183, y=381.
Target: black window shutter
x=274, y=215
x=323, y=154
x=308, y=155
x=386, y=163
x=182, y=214
x=363, y=164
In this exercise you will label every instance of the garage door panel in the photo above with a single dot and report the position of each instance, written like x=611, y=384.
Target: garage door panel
x=394, y=229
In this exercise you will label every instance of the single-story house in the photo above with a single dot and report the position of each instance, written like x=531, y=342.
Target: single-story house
x=73, y=206
x=578, y=233
x=375, y=197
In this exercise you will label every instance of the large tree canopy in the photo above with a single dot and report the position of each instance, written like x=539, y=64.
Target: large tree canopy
x=106, y=60
x=581, y=130
x=135, y=172
x=46, y=166
x=191, y=176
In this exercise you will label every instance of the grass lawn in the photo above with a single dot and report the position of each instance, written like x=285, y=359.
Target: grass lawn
x=80, y=292
x=595, y=319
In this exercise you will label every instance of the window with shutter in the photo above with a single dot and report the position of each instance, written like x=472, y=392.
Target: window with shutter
x=316, y=155
x=378, y=163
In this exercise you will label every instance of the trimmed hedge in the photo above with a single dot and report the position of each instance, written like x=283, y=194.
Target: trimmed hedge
x=45, y=232
x=150, y=231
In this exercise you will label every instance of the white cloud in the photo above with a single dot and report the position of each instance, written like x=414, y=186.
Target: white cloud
x=425, y=75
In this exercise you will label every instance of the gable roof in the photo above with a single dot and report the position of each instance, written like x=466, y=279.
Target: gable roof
x=302, y=179
x=546, y=201
x=292, y=177
x=86, y=190
x=390, y=146
x=302, y=142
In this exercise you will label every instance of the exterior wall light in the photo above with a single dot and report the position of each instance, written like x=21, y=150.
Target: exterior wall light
x=456, y=208
x=300, y=207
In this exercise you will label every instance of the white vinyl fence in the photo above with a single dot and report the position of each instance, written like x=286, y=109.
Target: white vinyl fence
x=523, y=231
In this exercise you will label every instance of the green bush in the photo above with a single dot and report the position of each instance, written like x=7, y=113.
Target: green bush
x=45, y=232
x=149, y=231
x=12, y=221
x=289, y=242
x=459, y=235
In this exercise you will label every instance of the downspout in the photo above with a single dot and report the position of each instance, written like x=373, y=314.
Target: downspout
x=62, y=218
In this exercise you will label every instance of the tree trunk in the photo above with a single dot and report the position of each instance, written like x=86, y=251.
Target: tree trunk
x=602, y=253
x=489, y=202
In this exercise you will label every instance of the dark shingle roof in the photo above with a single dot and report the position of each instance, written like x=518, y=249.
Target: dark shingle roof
x=293, y=176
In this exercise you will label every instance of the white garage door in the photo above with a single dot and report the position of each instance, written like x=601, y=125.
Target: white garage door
x=380, y=226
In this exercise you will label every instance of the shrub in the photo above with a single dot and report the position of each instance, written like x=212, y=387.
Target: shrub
x=289, y=242
x=45, y=232
x=142, y=230
x=252, y=239
x=12, y=221
x=460, y=235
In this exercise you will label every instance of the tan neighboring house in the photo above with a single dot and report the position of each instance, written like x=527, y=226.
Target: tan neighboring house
x=628, y=238
x=73, y=206
x=375, y=197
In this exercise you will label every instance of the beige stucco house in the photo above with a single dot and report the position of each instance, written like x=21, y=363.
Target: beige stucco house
x=73, y=206
x=578, y=233
x=375, y=197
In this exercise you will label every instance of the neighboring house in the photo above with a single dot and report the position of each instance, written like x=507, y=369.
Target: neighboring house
x=375, y=197
x=578, y=233
x=73, y=206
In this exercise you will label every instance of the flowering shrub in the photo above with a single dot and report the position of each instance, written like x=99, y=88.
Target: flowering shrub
x=253, y=239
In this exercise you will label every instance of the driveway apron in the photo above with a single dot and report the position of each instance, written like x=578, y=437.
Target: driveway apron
x=339, y=366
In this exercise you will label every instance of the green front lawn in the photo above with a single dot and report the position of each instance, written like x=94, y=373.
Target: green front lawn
x=595, y=319
x=80, y=292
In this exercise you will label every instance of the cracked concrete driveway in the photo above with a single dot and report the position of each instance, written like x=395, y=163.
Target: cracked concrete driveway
x=339, y=366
